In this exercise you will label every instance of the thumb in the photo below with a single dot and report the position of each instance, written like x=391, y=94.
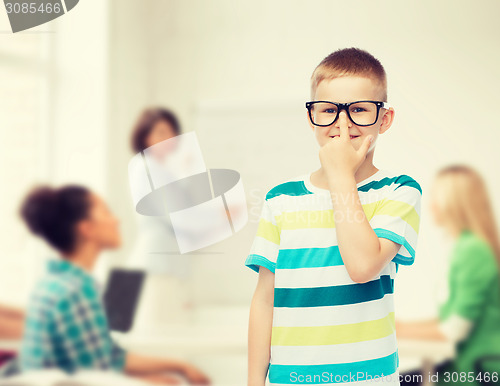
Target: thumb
x=366, y=145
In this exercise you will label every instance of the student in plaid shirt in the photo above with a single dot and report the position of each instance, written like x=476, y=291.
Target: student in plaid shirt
x=66, y=326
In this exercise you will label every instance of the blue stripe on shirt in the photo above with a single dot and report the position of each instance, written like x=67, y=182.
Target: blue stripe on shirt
x=309, y=257
x=335, y=373
x=334, y=295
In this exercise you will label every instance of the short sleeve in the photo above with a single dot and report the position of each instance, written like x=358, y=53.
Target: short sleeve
x=397, y=217
x=265, y=247
x=472, y=276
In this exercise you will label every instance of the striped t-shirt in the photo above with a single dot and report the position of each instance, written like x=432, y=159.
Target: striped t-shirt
x=328, y=329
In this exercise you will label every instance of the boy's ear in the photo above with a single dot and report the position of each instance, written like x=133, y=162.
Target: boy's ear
x=387, y=120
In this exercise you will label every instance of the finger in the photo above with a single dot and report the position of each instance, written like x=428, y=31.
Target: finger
x=344, y=131
x=365, y=146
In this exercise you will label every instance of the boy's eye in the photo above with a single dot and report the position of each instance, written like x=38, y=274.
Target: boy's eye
x=330, y=111
x=358, y=110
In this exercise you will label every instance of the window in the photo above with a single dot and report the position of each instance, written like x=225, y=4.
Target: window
x=24, y=120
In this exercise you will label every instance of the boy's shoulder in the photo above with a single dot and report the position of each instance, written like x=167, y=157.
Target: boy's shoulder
x=391, y=180
x=294, y=186
x=384, y=183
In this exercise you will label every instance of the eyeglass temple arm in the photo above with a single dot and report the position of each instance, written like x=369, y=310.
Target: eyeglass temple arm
x=386, y=105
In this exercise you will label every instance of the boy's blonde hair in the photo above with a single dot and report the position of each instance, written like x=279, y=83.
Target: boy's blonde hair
x=350, y=61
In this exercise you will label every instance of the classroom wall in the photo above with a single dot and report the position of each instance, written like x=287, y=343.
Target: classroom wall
x=238, y=73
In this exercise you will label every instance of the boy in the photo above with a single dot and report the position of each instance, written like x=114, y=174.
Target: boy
x=329, y=243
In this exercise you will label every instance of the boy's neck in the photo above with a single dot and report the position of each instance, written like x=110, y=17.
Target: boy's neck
x=366, y=169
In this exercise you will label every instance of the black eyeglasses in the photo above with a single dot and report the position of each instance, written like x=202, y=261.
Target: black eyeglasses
x=361, y=113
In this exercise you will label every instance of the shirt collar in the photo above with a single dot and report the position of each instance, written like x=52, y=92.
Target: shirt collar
x=65, y=266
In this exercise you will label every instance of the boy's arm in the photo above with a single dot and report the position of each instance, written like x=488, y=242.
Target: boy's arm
x=363, y=253
x=363, y=260
x=260, y=327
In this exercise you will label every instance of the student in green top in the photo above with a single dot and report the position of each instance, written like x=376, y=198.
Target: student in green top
x=470, y=317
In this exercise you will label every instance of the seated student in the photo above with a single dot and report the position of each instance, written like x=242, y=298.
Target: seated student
x=470, y=316
x=66, y=325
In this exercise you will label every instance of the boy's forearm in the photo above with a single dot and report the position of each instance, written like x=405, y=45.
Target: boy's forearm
x=352, y=226
x=259, y=340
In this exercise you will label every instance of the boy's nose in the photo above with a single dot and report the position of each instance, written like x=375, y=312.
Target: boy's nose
x=343, y=119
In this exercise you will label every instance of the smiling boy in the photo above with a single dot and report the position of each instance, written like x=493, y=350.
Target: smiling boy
x=329, y=243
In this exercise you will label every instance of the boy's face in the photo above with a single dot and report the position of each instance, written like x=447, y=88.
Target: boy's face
x=351, y=89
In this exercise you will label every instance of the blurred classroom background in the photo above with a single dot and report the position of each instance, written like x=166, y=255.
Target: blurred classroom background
x=238, y=74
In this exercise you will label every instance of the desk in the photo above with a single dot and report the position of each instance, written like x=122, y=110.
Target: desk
x=423, y=354
x=187, y=340
x=83, y=378
x=10, y=345
x=215, y=341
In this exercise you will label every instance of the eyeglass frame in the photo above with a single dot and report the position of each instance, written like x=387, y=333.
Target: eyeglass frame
x=345, y=106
